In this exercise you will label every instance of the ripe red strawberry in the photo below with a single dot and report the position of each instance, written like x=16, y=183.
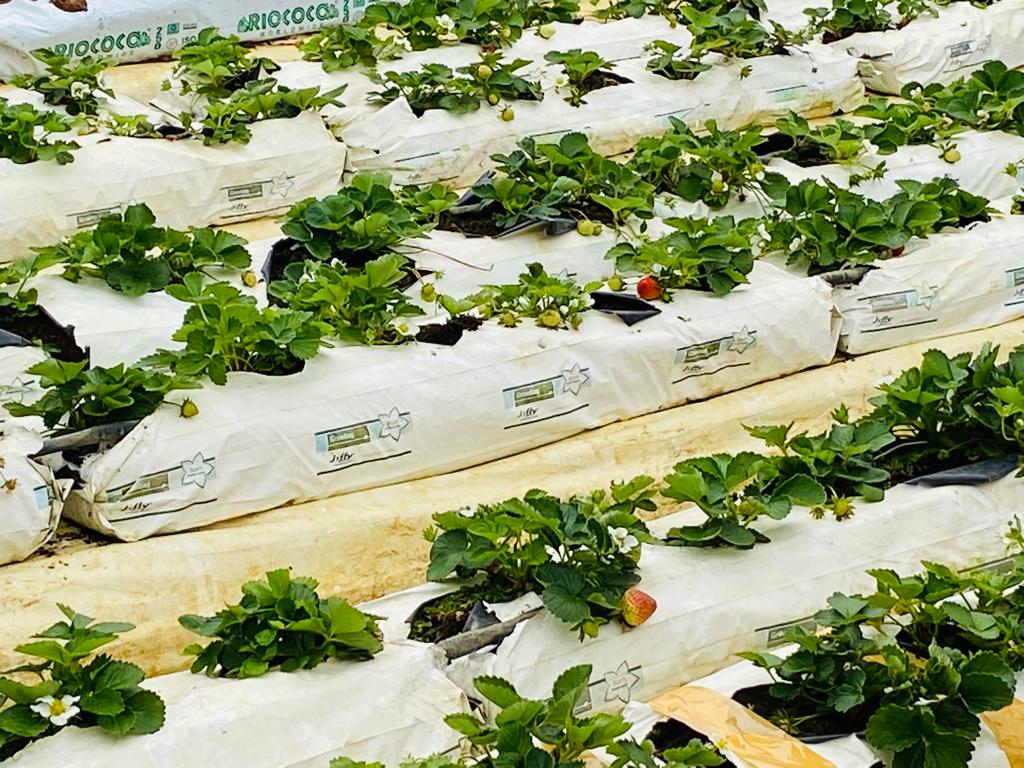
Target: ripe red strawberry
x=897, y=251
x=637, y=607
x=647, y=288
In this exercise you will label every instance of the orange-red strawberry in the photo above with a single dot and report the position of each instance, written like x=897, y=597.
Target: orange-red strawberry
x=648, y=289
x=637, y=607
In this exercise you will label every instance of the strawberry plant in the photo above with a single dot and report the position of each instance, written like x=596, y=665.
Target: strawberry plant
x=580, y=555
x=224, y=331
x=341, y=46
x=134, y=256
x=901, y=123
x=583, y=72
x=847, y=17
x=74, y=689
x=673, y=62
x=709, y=168
x=281, y=623
x=362, y=221
x=436, y=86
x=991, y=99
x=837, y=142
x=27, y=135
x=733, y=492
x=734, y=33
x=228, y=120
x=361, y=305
x=72, y=85
x=77, y=397
x=549, y=182
x=216, y=66
x=672, y=10
x=426, y=202
x=706, y=255
x=555, y=302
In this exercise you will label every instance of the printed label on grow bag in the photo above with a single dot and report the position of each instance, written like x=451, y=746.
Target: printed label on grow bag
x=884, y=304
x=959, y=52
x=377, y=439
x=90, y=218
x=550, y=398
x=707, y=358
x=199, y=471
x=775, y=635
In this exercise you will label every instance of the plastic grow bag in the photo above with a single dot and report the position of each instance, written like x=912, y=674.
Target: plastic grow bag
x=129, y=31
x=749, y=741
x=713, y=604
x=359, y=417
x=30, y=508
x=949, y=283
x=384, y=709
x=813, y=80
x=942, y=48
x=183, y=182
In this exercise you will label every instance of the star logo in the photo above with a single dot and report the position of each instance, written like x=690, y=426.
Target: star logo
x=927, y=295
x=16, y=390
x=620, y=683
x=574, y=378
x=197, y=470
x=393, y=424
x=281, y=185
x=743, y=339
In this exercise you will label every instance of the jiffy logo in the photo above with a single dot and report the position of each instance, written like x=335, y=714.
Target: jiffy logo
x=382, y=435
x=924, y=295
x=709, y=357
x=618, y=685
x=548, y=398
x=197, y=471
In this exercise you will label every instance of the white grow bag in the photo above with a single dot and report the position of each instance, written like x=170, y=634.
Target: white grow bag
x=384, y=709
x=713, y=604
x=30, y=512
x=813, y=81
x=950, y=282
x=940, y=49
x=703, y=702
x=360, y=417
x=183, y=182
x=131, y=31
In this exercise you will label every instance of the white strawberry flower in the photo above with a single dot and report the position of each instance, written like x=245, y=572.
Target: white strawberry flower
x=624, y=540
x=80, y=90
x=762, y=230
x=556, y=555
x=468, y=511
x=981, y=113
x=755, y=250
x=57, y=711
x=562, y=81
x=444, y=21
x=716, y=178
x=795, y=245
x=759, y=176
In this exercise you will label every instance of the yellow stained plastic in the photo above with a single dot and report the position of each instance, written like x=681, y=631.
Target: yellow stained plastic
x=732, y=726
x=1007, y=725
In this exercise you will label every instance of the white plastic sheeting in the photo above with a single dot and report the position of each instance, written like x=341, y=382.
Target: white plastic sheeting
x=30, y=507
x=384, y=709
x=813, y=80
x=132, y=31
x=183, y=182
x=713, y=604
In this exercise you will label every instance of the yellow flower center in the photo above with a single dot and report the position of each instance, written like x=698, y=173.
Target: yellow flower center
x=57, y=708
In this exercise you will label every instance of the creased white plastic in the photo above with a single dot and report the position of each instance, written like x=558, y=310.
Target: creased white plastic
x=384, y=709
x=713, y=603
x=183, y=182
x=132, y=31
x=813, y=80
x=942, y=48
x=358, y=417
x=30, y=511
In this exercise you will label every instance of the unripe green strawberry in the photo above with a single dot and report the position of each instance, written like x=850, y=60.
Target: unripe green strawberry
x=550, y=318
x=249, y=279
x=547, y=31
x=189, y=409
x=951, y=155
x=637, y=607
x=615, y=283
x=585, y=227
x=493, y=99
x=508, y=115
x=598, y=228
x=484, y=72
x=428, y=292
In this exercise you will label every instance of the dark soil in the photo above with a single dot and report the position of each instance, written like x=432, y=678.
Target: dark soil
x=483, y=223
x=817, y=728
x=446, y=616
x=38, y=327
x=672, y=734
x=595, y=81
x=448, y=334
